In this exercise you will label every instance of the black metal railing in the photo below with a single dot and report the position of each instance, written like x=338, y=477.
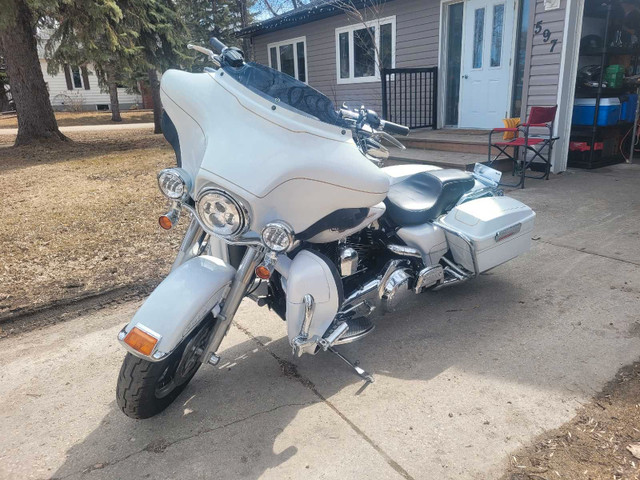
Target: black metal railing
x=410, y=96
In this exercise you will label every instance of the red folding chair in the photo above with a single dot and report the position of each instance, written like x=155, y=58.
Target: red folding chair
x=541, y=120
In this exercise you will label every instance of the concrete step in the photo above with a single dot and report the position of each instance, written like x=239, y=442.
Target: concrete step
x=444, y=159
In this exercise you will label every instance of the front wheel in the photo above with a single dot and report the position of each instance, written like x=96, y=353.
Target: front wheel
x=147, y=388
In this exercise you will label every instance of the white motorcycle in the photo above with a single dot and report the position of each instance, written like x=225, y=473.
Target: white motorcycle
x=289, y=206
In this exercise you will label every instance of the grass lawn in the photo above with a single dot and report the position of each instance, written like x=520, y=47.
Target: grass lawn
x=71, y=119
x=81, y=217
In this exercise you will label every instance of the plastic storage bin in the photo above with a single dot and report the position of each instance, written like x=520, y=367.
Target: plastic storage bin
x=584, y=111
x=628, y=107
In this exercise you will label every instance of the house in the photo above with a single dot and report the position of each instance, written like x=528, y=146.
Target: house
x=465, y=64
x=76, y=87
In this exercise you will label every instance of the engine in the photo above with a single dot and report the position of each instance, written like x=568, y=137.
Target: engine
x=372, y=275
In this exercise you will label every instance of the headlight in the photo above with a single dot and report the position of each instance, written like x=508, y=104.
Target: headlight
x=277, y=236
x=174, y=183
x=220, y=213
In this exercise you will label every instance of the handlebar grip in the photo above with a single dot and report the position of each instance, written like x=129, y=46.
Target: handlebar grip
x=394, y=128
x=217, y=44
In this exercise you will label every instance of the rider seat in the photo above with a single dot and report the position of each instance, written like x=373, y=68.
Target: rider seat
x=425, y=196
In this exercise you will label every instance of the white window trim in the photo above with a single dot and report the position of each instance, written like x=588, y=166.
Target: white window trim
x=294, y=42
x=358, y=26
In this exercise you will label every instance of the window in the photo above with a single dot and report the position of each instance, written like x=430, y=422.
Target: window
x=362, y=49
x=77, y=78
x=478, y=37
x=290, y=57
x=496, y=35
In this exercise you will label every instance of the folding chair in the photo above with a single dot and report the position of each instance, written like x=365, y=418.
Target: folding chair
x=539, y=118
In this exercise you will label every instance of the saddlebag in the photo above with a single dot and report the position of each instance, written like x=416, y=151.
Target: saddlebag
x=498, y=228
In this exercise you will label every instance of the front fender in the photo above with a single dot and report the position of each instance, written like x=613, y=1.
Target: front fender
x=179, y=303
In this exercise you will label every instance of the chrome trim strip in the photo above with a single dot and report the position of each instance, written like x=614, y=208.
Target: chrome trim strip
x=405, y=251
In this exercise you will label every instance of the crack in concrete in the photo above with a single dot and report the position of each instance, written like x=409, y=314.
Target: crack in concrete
x=290, y=370
x=589, y=252
x=167, y=444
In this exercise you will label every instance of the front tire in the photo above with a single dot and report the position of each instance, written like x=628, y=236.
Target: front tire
x=146, y=388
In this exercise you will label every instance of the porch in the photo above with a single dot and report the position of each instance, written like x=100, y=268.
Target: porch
x=446, y=148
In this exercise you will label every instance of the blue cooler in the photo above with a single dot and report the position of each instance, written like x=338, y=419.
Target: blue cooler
x=584, y=111
x=629, y=104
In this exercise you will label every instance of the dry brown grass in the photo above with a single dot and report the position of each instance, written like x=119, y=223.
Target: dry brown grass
x=71, y=119
x=80, y=217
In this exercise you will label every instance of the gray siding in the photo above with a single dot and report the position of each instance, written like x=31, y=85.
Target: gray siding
x=417, y=32
x=542, y=67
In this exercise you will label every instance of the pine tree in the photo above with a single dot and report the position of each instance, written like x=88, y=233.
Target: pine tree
x=215, y=18
x=96, y=32
x=18, y=19
x=162, y=37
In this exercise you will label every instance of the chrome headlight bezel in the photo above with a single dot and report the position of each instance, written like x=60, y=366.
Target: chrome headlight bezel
x=182, y=183
x=284, y=229
x=240, y=210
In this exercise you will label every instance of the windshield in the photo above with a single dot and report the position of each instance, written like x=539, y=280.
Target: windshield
x=279, y=87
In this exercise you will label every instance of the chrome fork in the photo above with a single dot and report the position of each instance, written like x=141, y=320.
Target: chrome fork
x=194, y=236
x=241, y=281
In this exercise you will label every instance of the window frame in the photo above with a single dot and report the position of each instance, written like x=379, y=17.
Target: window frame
x=294, y=43
x=349, y=29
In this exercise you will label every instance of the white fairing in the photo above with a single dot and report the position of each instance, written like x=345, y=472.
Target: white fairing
x=310, y=274
x=181, y=301
x=482, y=221
x=281, y=164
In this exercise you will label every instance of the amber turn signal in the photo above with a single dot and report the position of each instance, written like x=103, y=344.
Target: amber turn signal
x=165, y=222
x=263, y=272
x=140, y=341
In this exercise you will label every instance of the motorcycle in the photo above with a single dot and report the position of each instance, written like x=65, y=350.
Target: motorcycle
x=291, y=206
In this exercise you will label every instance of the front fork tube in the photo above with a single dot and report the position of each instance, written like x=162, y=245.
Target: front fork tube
x=241, y=281
x=191, y=245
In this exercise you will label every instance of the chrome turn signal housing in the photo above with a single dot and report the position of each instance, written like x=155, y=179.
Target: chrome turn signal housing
x=277, y=236
x=174, y=183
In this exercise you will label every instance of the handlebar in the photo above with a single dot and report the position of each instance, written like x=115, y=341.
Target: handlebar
x=394, y=128
x=375, y=122
x=217, y=45
x=200, y=49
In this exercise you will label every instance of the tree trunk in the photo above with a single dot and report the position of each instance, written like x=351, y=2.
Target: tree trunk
x=244, y=15
x=154, y=84
x=36, y=120
x=113, y=94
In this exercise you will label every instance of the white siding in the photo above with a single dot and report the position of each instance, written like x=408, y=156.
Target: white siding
x=57, y=86
x=417, y=25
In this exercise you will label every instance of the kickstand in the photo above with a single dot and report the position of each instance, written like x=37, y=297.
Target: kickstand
x=367, y=377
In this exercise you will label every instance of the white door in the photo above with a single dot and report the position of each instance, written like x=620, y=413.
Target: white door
x=486, y=63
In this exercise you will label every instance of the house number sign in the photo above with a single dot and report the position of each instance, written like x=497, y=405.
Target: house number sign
x=546, y=35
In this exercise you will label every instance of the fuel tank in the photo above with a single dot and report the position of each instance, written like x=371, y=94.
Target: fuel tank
x=279, y=162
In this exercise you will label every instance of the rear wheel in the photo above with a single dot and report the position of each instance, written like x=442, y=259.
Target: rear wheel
x=147, y=388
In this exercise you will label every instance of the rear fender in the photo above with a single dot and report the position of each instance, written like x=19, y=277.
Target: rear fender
x=180, y=303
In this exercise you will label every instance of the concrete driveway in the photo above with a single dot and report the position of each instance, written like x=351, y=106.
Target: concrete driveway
x=464, y=377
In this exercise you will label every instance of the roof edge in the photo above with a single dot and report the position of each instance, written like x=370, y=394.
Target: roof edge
x=295, y=18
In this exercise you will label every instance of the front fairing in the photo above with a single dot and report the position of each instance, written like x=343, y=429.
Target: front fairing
x=280, y=162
